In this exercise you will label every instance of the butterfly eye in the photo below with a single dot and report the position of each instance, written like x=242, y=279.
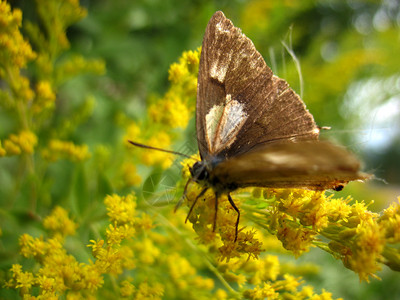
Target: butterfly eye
x=203, y=174
x=199, y=171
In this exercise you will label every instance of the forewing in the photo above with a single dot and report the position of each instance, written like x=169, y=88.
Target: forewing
x=313, y=165
x=240, y=104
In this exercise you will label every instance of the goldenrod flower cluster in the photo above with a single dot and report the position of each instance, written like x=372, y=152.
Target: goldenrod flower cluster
x=202, y=218
x=130, y=175
x=168, y=113
x=15, y=49
x=24, y=142
x=361, y=239
x=45, y=97
x=64, y=149
x=32, y=100
x=142, y=263
x=60, y=273
x=15, y=53
x=175, y=108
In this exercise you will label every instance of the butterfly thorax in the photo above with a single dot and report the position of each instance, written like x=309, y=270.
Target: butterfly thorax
x=202, y=173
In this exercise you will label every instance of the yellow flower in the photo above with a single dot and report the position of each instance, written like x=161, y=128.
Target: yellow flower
x=59, y=222
x=308, y=206
x=203, y=215
x=144, y=222
x=264, y=269
x=32, y=246
x=306, y=292
x=220, y=294
x=267, y=291
x=359, y=213
x=291, y=203
x=192, y=59
x=97, y=247
x=116, y=234
x=132, y=132
x=180, y=72
x=3, y=152
x=14, y=49
x=171, y=111
x=58, y=149
x=179, y=114
x=130, y=175
x=179, y=267
x=21, y=280
x=295, y=238
x=390, y=222
x=240, y=279
x=367, y=251
x=149, y=292
x=324, y=296
x=11, y=148
x=24, y=142
x=92, y=277
x=147, y=252
x=121, y=210
x=127, y=289
x=128, y=257
x=46, y=283
x=177, y=72
x=202, y=283
x=108, y=260
x=45, y=96
x=160, y=140
x=290, y=283
x=338, y=209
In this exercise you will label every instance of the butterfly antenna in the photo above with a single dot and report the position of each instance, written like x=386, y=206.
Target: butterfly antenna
x=162, y=150
x=324, y=127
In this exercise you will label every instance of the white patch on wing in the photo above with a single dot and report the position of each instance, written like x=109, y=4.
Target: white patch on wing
x=212, y=121
x=220, y=28
x=222, y=58
x=223, y=124
x=220, y=66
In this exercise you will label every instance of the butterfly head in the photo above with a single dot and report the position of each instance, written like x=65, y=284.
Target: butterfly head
x=203, y=172
x=199, y=171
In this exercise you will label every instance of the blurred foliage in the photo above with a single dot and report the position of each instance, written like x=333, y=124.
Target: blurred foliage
x=77, y=81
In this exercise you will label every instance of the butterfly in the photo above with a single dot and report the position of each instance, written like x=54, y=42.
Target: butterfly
x=253, y=130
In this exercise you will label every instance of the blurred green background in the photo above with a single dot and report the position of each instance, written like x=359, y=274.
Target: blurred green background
x=349, y=53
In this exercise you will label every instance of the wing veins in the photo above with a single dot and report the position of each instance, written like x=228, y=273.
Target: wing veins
x=288, y=122
x=282, y=138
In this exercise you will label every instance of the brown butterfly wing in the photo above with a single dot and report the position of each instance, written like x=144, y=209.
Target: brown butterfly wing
x=235, y=81
x=314, y=165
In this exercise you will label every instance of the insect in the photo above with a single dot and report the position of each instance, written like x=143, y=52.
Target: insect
x=253, y=129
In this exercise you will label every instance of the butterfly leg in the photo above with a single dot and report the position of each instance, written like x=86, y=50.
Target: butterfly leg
x=216, y=211
x=194, y=202
x=183, y=195
x=238, y=217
